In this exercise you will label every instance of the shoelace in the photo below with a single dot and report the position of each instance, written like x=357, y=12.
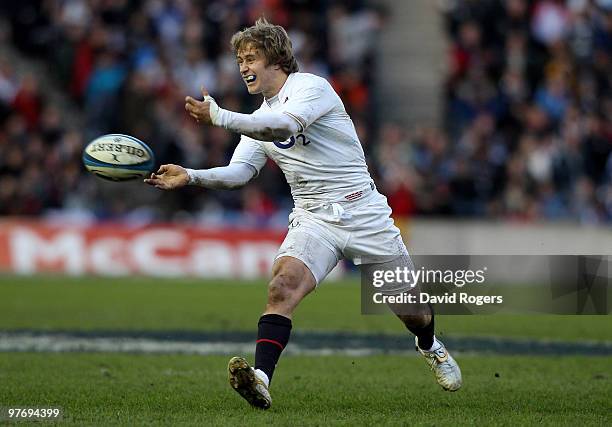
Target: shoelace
x=433, y=359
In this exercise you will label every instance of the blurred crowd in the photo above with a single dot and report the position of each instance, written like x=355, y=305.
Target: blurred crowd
x=527, y=131
x=127, y=66
x=528, y=120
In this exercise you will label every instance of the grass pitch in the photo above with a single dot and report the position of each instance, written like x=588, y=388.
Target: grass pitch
x=102, y=389
x=136, y=389
x=60, y=303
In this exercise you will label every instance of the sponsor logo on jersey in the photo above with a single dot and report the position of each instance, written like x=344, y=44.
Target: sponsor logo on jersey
x=300, y=138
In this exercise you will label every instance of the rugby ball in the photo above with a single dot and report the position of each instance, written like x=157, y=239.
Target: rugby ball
x=117, y=157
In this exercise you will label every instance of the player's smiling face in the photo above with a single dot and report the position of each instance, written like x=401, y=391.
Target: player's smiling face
x=257, y=75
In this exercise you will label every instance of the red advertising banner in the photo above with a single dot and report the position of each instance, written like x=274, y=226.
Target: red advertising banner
x=117, y=249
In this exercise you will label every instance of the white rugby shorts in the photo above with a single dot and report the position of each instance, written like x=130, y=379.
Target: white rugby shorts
x=360, y=230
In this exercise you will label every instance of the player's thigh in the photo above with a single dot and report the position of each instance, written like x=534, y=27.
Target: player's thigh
x=399, y=281
x=374, y=237
x=312, y=245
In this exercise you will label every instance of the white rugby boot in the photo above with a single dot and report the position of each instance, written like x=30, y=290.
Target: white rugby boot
x=248, y=383
x=442, y=364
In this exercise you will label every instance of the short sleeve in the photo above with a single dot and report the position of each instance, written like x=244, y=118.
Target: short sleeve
x=251, y=152
x=310, y=103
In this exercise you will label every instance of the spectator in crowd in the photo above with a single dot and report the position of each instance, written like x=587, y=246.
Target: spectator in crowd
x=527, y=133
x=128, y=66
x=529, y=98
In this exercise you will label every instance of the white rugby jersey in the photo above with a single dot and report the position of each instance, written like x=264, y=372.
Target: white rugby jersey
x=324, y=161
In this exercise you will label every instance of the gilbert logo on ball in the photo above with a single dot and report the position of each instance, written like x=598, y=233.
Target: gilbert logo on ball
x=117, y=157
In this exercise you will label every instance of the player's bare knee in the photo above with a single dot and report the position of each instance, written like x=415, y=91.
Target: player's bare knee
x=281, y=288
x=276, y=294
x=286, y=282
x=290, y=282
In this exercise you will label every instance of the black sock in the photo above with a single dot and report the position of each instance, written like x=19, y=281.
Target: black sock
x=425, y=335
x=272, y=337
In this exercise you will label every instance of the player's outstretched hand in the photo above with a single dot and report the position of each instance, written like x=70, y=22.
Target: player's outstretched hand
x=168, y=177
x=202, y=111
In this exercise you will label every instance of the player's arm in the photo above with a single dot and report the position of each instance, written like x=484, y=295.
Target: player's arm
x=230, y=177
x=247, y=161
x=263, y=126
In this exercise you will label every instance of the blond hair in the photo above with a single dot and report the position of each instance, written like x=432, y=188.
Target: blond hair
x=272, y=40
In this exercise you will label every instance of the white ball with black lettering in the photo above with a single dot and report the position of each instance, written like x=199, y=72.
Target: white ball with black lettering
x=117, y=157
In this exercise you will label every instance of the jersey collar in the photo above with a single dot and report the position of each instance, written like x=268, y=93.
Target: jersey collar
x=280, y=96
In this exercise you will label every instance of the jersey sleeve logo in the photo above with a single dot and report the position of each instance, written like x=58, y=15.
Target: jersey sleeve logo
x=300, y=139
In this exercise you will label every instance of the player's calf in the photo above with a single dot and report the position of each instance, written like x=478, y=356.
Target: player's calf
x=292, y=281
x=420, y=320
x=422, y=326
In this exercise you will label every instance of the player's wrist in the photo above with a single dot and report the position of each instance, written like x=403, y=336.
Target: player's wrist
x=222, y=118
x=214, y=110
x=190, y=176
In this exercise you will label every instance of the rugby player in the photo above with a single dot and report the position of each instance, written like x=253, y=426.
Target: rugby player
x=302, y=125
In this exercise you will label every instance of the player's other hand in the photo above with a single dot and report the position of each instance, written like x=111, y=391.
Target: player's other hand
x=169, y=177
x=203, y=111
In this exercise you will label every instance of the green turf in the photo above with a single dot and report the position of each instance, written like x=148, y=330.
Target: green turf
x=153, y=304
x=124, y=389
